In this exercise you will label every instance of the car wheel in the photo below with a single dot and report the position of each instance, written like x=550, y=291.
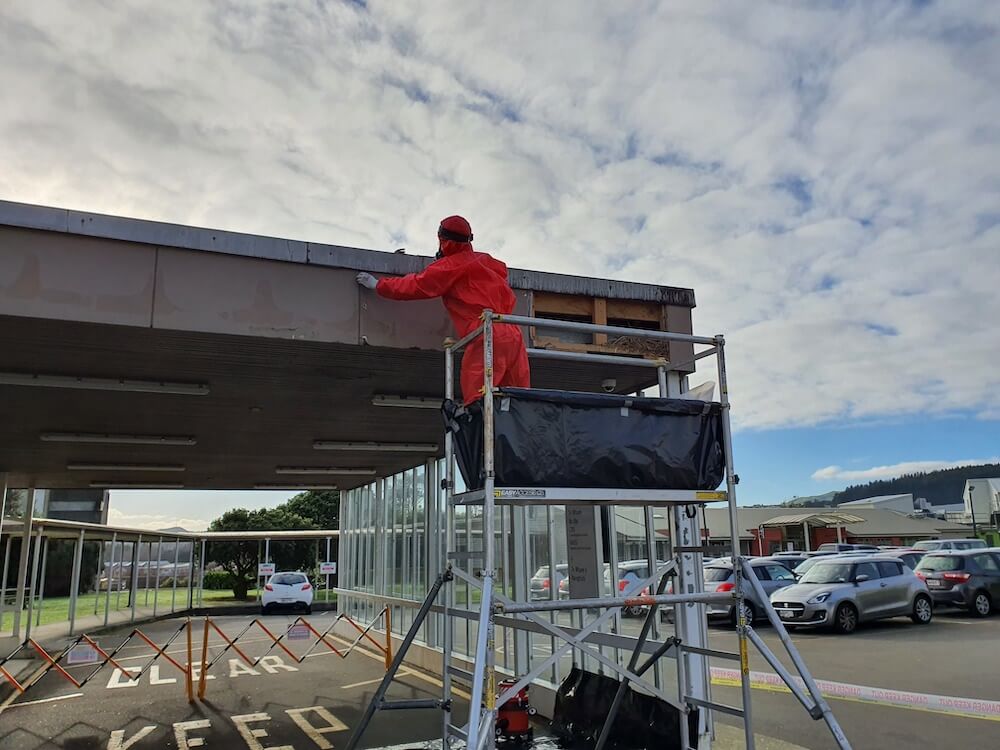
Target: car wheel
x=982, y=605
x=309, y=609
x=845, y=620
x=749, y=613
x=923, y=610
x=632, y=611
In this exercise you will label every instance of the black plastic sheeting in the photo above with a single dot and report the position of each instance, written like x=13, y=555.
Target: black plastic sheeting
x=584, y=699
x=569, y=439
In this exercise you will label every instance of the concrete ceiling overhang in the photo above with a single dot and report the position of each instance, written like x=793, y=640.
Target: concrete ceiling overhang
x=286, y=347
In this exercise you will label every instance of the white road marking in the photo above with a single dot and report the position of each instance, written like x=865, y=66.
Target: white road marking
x=250, y=736
x=117, y=739
x=400, y=673
x=181, y=729
x=333, y=724
x=53, y=699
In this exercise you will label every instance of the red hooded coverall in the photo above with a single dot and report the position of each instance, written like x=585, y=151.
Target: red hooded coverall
x=469, y=282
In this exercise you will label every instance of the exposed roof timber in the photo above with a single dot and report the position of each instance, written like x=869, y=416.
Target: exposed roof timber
x=31, y=216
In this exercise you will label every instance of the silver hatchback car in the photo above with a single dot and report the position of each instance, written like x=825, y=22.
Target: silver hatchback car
x=842, y=592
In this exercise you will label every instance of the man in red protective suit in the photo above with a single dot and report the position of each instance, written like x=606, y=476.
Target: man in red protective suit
x=467, y=283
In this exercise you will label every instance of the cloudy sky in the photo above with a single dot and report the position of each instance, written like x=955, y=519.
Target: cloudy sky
x=824, y=175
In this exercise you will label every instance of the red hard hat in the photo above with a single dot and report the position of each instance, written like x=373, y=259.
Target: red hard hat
x=456, y=229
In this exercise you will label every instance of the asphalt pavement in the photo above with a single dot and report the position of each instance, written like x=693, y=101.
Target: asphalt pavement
x=891, y=684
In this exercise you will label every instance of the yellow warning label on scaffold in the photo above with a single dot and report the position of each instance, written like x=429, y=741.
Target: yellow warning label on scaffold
x=710, y=495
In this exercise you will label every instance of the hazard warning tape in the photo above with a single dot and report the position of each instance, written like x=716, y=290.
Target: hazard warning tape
x=278, y=641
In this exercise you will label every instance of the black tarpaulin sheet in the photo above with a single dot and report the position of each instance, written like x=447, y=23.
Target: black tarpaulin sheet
x=569, y=439
x=583, y=702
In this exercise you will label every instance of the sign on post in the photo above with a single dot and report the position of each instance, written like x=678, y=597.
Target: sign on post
x=328, y=568
x=298, y=633
x=82, y=653
x=265, y=569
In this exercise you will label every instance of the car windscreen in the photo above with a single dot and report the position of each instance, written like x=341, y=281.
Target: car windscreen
x=927, y=545
x=828, y=572
x=936, y=563
x=288, y=579
x=717, y=575
x=806, y=564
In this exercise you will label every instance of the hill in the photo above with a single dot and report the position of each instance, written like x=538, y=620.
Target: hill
x=939, y=487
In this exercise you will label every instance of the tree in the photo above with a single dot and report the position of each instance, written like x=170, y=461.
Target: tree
x=239, y=558
x=322, y=507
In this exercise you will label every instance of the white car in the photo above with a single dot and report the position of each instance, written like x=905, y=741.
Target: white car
x=290, y=590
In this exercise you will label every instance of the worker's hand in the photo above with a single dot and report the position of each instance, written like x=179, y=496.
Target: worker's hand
x=367, y=280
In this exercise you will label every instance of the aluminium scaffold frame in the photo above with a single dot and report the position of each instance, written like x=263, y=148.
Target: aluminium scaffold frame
x=689, y=644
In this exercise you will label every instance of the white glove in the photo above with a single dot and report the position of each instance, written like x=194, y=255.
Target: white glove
x=367, y=280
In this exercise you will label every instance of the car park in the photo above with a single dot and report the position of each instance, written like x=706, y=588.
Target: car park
x=541, y=583
x=789, y=559
x=963, y=578
x=941, y=545
x=719, y=577
x=843, y=591
x=910, y=557
x=287, y=590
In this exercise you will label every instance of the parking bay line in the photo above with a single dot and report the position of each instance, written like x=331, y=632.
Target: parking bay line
x=968, y=708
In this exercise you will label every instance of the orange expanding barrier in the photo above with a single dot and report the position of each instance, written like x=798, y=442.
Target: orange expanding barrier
x=54, y=662
x=364, y=633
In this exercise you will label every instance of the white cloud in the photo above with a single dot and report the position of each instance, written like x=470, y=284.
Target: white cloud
x=823, y=175
x=828, y=473
x=154, y=521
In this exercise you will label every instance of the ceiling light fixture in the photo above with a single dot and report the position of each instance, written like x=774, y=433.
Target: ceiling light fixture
x=407, y=402
x=135, y=486
x=324, y=470
x=287, y=486
x=124, y=467
x=328, y=445
x=82, y=437
x=103, y=384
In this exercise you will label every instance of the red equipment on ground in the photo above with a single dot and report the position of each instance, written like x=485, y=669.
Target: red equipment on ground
x=513, y=725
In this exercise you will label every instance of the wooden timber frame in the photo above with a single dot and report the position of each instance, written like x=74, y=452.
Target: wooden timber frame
x=600, y=311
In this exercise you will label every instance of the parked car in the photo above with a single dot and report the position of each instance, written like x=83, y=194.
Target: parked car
x=964, y=578
x=789, y=559
x=844, y=591
x=910, y=557
x=287, y=590
x=719, y=577
x=541, y=583
x=843, y=547
x=940, y=545
x=630, y=571
x=815, y=557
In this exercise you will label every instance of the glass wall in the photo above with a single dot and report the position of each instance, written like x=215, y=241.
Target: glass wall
x=395, y=536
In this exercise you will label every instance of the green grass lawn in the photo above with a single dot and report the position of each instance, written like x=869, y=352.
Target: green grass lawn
x=57, y=609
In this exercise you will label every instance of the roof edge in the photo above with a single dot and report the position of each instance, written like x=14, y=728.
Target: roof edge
x=164, y=234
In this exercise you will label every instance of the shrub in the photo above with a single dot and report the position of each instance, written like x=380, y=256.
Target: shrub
x=217, y=580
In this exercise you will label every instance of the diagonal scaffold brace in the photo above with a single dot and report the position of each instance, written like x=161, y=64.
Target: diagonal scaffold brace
x=378, y=701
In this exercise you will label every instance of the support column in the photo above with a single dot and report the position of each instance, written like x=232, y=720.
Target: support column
x=691, y=618
x=111, y=576
x=190, y=596
x=156, y=593
x=519, y=575
x=805, y=535
x=177, y=562
x=201, y=575
x=74, y=580
x=22, y=566
x=3, y=585
x=134, y=583
x=41, y=580
x=34, y=579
